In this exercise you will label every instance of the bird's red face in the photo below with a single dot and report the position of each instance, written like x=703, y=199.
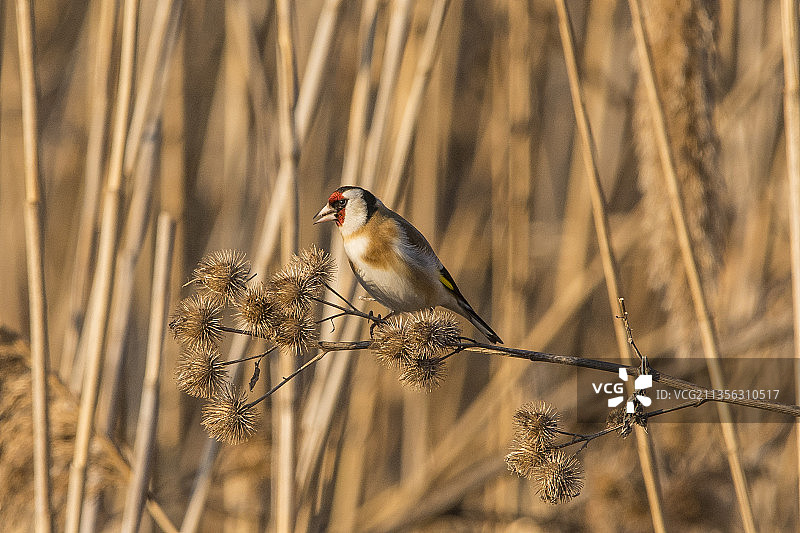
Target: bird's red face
x=334, y=210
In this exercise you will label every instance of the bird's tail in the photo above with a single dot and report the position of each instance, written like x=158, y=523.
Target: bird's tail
x=479, y=323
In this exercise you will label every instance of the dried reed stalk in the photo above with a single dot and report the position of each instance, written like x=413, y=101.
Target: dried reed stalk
x=133, y=239
x=610, y=269
x=283, y=429
x=390, y=71
x=598, y=53
x=707, y=334
x=150, y=85
x=327, y=386
x=134, y=234
x=101, y=288
x=84, y=245
x=144, y=445
x=315, y=67
x=408, y=122
x=681, y=38
x=791, y=119
x=352, y=467
x=34, y=244
x=397, y=32
x=356, y=125
x=330, y=375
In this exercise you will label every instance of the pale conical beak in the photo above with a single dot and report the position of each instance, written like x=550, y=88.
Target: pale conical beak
x=326, y=214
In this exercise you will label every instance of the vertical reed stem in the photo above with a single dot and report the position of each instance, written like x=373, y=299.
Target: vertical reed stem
x=282, y=495
x=707, y=334
x=791, y=124
x=148, y=408
x=589, y=152
x=101, y=288
x=85, y=243
x=390, y=70
x=34, y=244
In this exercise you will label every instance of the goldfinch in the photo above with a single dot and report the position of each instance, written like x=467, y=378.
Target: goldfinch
x=391, y=259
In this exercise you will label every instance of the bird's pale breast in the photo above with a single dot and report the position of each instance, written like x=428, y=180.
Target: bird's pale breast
x=376, y=256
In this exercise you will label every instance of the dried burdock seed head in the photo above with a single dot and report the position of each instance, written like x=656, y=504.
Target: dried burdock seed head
x=256, y=312
x=227, y=417
x=560, y=477
x=535, y=426
x=620, y=417
x=389, y=342
x=431, y=331
x=223, y=273
x=423, y=372
x=196, y=321
x=523, y=460
x=297, y=331
x=200, y=372
x=317, y=265
x=292, y=290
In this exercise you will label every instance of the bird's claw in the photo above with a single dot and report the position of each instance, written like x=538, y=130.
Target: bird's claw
x=375, y=321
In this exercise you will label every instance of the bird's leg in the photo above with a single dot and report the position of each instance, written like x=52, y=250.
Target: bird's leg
x=377, y=319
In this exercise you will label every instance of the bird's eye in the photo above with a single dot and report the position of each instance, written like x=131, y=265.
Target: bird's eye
x=339, y=204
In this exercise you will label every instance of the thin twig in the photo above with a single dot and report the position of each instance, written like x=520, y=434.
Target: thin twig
x=148, y=408
x=98, y=305
x=707, y=334
x=34, y=244
x=288, y=378
x=245, y=359
x=712, y=394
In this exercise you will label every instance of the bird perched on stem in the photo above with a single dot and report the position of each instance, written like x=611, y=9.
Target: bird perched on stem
x=391, y=259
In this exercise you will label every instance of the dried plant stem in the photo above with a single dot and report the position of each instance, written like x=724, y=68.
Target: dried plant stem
x=390, y=70
x=312, y=448
x=283, y=463
x=328, y=380
x=202, y=480
x=356, y=125
x=422, y=76
x=34, y=244
x=350, y=474
x=134, y=234
x=155, y=68
x=101, y=288
x=315, y=67
x=791, y=121
x=148, y=409
x=588, y=150
x=84, y=245
x=712, y=395
x=707, y=334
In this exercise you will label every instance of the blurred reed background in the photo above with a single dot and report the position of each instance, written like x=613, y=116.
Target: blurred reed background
x=237, y=119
